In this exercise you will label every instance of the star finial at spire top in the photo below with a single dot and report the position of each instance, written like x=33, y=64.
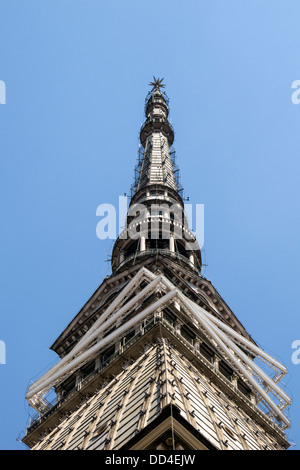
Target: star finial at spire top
x=157, y=83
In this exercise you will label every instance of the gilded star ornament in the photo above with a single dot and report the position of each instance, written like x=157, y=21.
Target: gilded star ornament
x=157, y=84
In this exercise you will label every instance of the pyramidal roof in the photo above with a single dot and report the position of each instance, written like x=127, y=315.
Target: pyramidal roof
x=159, y=401
x=143, y=298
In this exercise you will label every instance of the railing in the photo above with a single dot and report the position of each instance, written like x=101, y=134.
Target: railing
x=154, y=251
x=158, y=120
x=149, y=96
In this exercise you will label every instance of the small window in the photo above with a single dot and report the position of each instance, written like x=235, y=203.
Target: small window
x=100, y=428
x=229, y=432
x=206, y=352
x=243, y=388
x=187, y=335
x=225, y=370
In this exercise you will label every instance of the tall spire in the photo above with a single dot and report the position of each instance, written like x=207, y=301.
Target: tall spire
x=155, y=359
x=161, y=227
x=156, y=136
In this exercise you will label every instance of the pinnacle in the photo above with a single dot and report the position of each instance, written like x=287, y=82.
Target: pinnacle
x=157, y=83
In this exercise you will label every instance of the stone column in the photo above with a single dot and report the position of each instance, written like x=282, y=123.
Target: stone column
x=234, y=379
x=216, y=362
x=177, y=326
x=172, y=244
x=143, y=243
x=197, y=344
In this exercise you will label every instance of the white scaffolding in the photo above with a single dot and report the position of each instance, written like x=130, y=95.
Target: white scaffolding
x=232, y=346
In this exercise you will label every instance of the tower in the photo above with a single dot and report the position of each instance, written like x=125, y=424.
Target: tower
x=156, y=359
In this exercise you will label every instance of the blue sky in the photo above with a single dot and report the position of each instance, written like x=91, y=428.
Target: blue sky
x=76, y=75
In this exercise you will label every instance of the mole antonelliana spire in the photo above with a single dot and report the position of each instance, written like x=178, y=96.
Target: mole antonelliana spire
x=156, y=359
x=156, y=137
x=162, y=225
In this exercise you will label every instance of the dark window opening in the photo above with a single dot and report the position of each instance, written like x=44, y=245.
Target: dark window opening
x=206, y=352
x=128, y=337
x=181, y=249
x=89, y=369
x=225, y=370
x=187, y=335
x=157, y=244
x=130, y=250
x=243, y=388
x=106, y=355
x=169, y=316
